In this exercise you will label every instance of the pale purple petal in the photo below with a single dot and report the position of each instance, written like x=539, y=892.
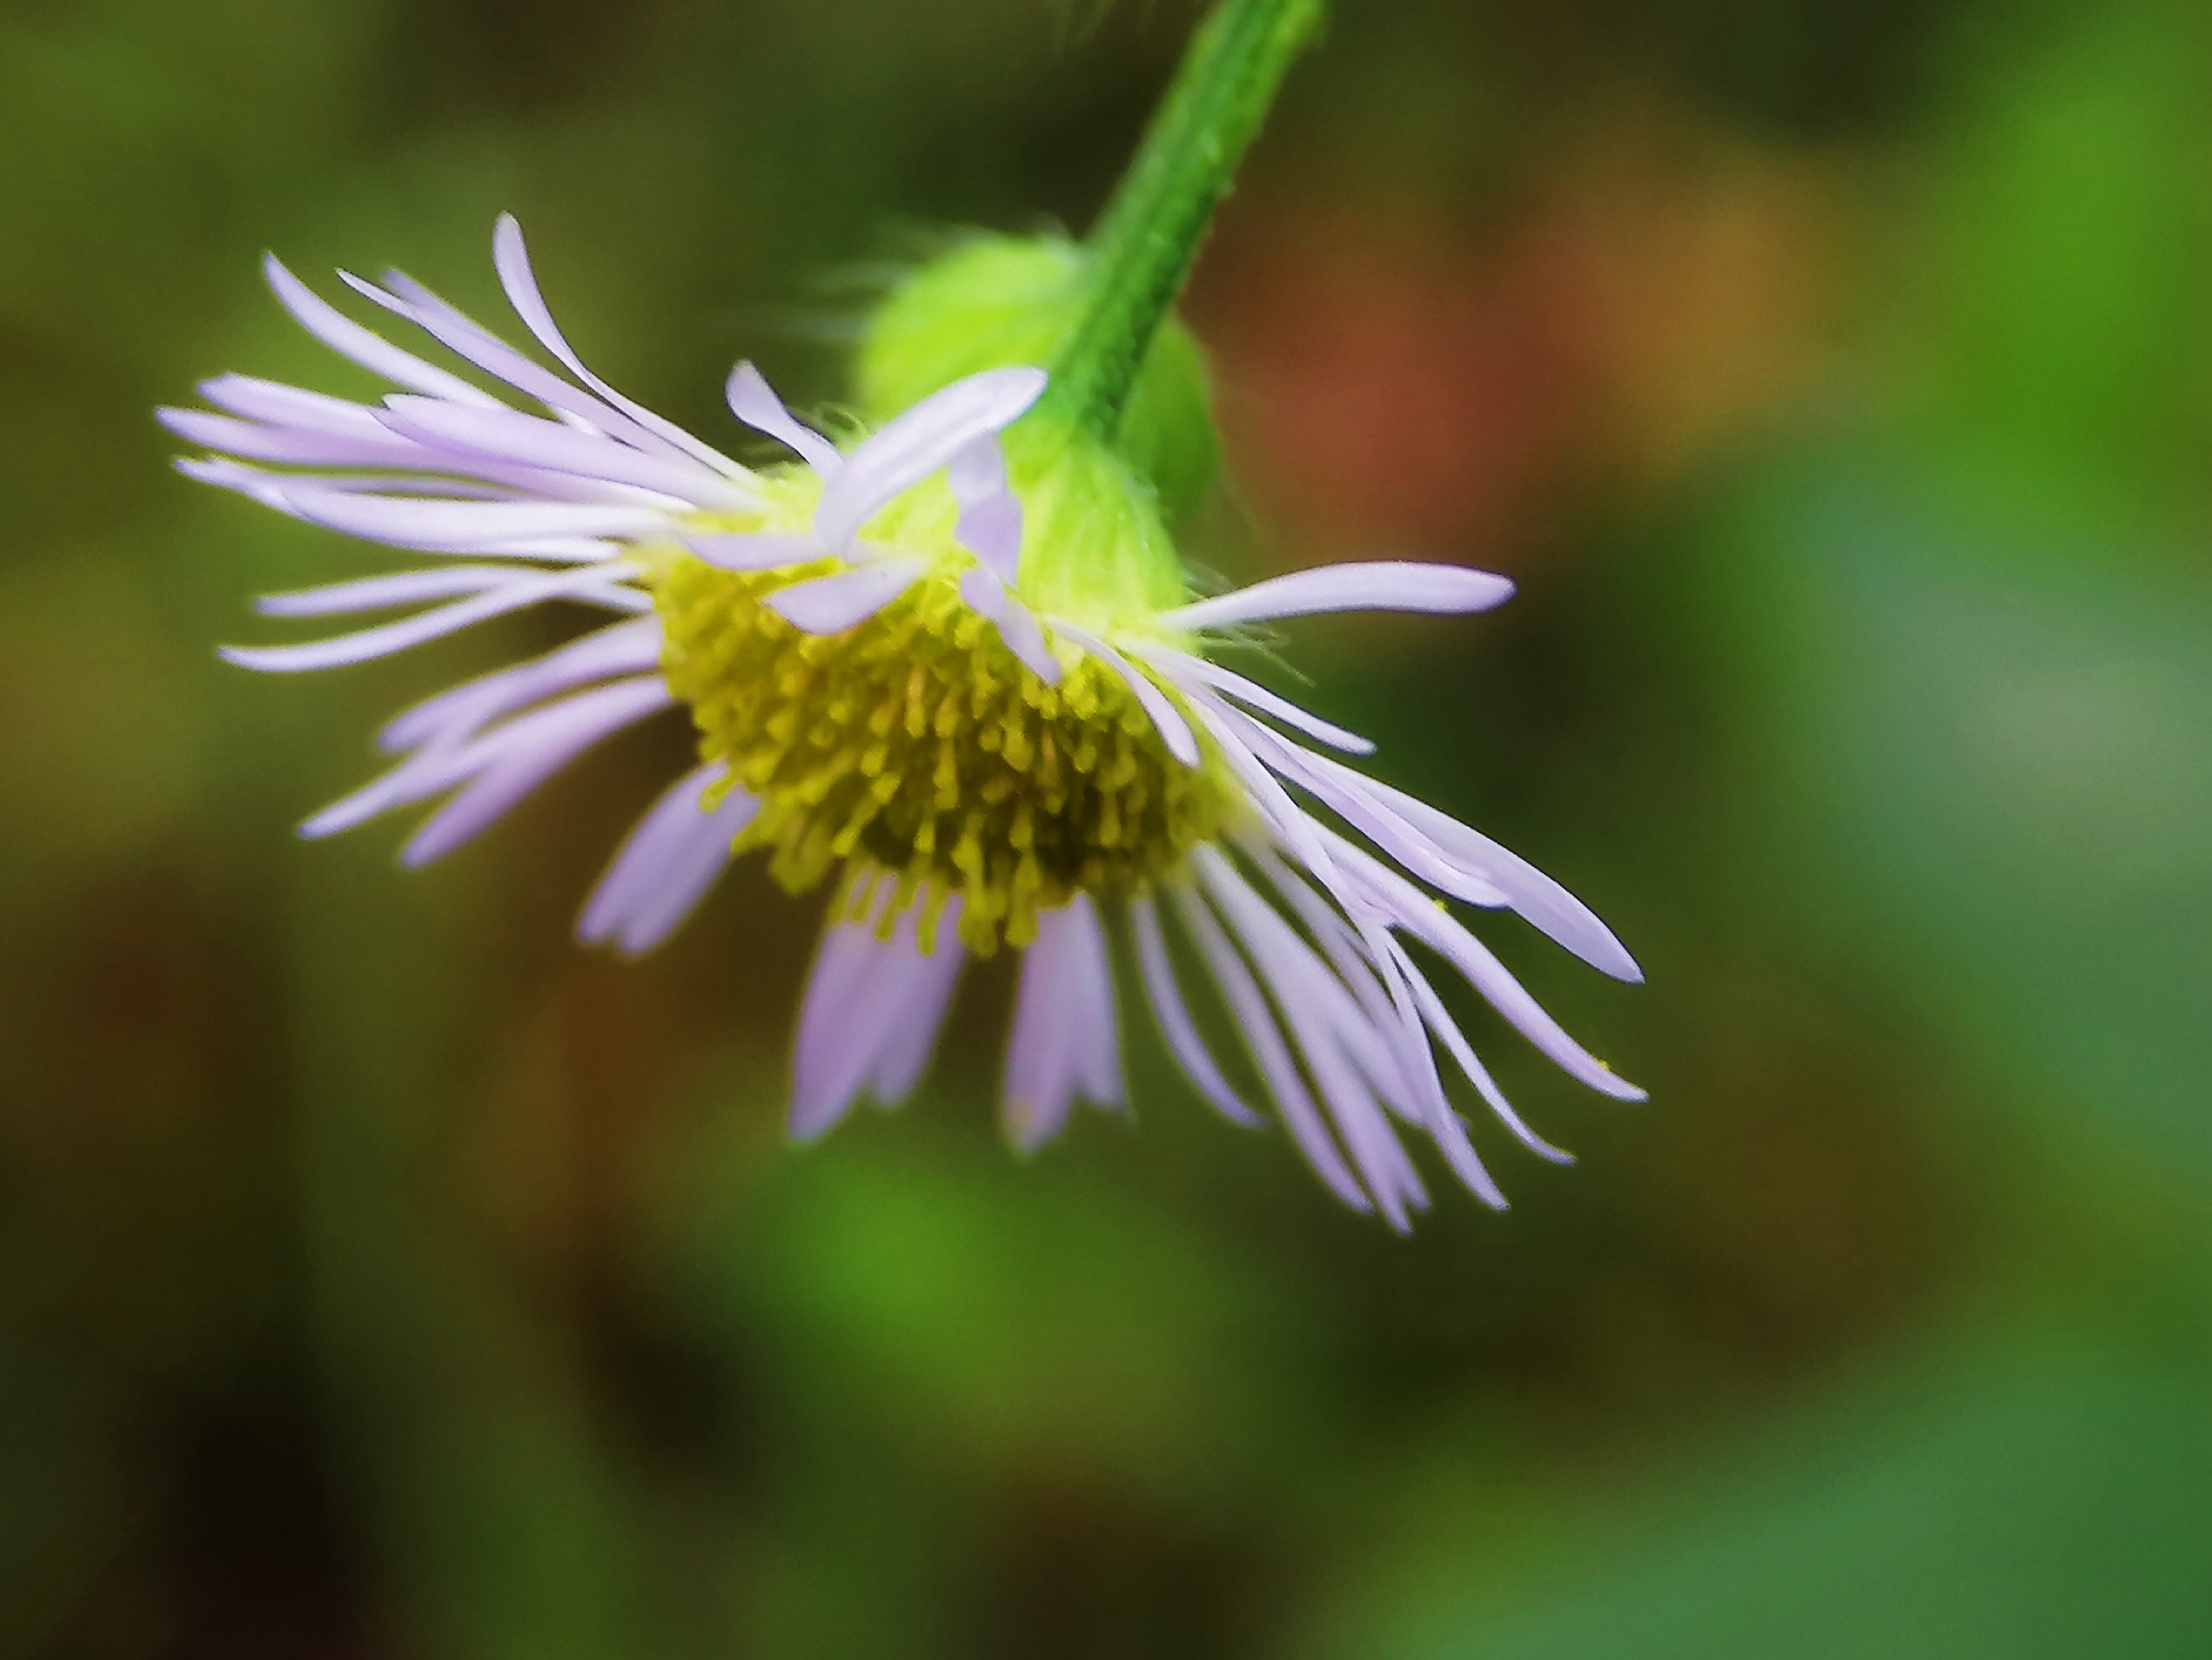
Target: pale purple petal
x=1025, y=637
x=1339, y=787
x=858, y=1022
x=990, y=525
x=1533, y=895
x=590, y=717
x=1393, y=1012
x=266, y=488
x=920, y=1000
x=435, y=771
x=1097, y=1048
x=1413, y=911
x=1172, y=1016
x=1269, y=1052
x=437, y=486
x=1190, y=673
x=280, y=405
x=754, y=402
x=455, y=714
x=1291, y=824
x=269, y=490
x=1174, y=730
x=982, y=591
x=1448, y=1128
x=839, y=1025
x=531, y=440
x=467, y=338
x=511, y=256
x=1325, y=1021
x=465, y=526
x=369, y=349
x=831, y=605
x=1345, y=947
x=307, y=429
x=1373, y=584
x=1038, y=1086
x=756, y=549
x=527, y=589
x=913, y=445
x=459, y=757
x=255, y=442
x=667, y=865
x=382, y=593
x=1447, y=1029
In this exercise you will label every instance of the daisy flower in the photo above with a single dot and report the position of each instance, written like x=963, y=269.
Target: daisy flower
x=953, y=674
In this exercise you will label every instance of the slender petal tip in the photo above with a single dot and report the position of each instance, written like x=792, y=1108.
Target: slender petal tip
x=1374, y=585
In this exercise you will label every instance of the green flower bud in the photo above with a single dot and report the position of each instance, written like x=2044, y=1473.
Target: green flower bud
x=1001, y=301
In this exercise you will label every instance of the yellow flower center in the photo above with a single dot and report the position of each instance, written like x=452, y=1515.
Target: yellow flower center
x=916, y=744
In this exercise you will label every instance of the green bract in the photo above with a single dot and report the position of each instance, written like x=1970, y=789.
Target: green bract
x=1000, y=301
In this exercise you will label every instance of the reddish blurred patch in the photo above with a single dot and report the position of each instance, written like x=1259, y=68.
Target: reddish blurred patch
x=1396, y=379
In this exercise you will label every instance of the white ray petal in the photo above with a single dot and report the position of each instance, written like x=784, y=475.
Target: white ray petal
x=1174, y=730
x=465, y=526
x=458, y=713
x=990, y=525
x=981, y=592
x=1172, y=1016
x=1038, y=1085
x=433, y=771
x=1445, y=1125
x=1264, y=1040
x=588, y=718
x=382, y=593
x=484, y=481
x=831, y=605
x=841, y=1025
x=364, y=346
x=756, y=549
x=1293, y=827
x=1322, y=1017
x=511, y=257
x=1343, y=944
x=280, y=405
x=1413, y=911
x=467, y=338
x=229, y=436
x=912, y=445
x=1339, y=789
x=1386, y=984
x=1447, y=1030
x=531, y=440
x=923, y=995
x=1097, y=1049
x=667, y=865
x=871, y=1016
x=754, y=402
x=1372, y=584
x=1189, y=672
x=1533, y=895
x=528, y=589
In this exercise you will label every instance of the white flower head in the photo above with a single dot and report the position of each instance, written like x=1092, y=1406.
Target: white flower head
x=977, y=701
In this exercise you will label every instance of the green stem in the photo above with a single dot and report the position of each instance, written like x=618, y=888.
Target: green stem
x=1151, y=231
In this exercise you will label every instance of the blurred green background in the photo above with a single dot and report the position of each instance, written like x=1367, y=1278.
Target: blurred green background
x=382, y=1275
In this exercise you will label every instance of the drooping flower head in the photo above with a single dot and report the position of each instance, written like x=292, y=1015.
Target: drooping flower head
x=952, y=674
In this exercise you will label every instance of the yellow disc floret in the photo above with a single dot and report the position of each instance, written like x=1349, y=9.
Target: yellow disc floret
x=916, y=744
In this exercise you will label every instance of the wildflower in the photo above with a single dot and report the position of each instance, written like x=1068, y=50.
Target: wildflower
x=952, y=671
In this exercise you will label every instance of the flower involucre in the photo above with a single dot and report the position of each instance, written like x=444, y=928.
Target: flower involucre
x=954, y=674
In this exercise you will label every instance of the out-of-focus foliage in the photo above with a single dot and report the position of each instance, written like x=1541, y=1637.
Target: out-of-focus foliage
x=380, y=1275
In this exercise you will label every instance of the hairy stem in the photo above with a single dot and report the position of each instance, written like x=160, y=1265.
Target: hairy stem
x=1151, y=231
